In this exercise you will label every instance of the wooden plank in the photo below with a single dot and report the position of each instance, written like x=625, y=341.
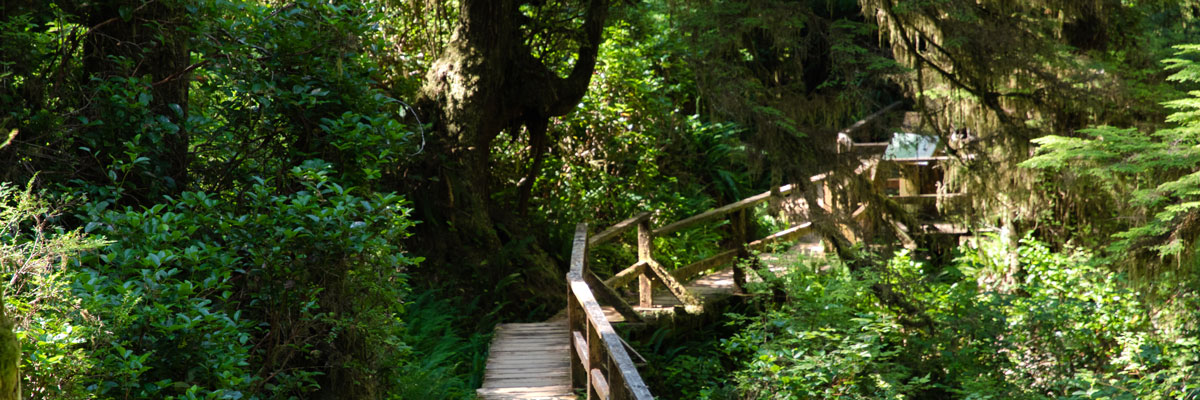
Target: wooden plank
x=529, y=330
x=528, y=372
x=541, y=393
x=645, y=291
x=611, y=297
x=863, y=122
x=516, y=345
x=676, y=288
x=580, y=347
x=525, y=364
x=618, y=228
x=527, y=361
x=785, y=235
x=919, y=198
x=523, y=383
x=626, y=276
x=505, y=360
x=719, y=212
x=645, y=243
x=691, y=270
x=582, y=297
x=514, y=368
x=917, y=160
x=578, y=253
x=600, y=384
x=637, y=357
x=618, y=358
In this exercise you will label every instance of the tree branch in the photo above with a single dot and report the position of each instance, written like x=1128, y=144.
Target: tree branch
x=568, y=91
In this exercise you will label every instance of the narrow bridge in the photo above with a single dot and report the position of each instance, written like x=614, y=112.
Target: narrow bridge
x=580, y=350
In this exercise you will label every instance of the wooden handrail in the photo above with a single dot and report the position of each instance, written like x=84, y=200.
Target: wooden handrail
x=599, y=362
x=618, y=228
x=720, y=211
x=913, y=160
x=646, y=270
x=863, y=122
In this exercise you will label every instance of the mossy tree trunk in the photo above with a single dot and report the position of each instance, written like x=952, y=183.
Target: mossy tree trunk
x=10, y=357
x=486, y=81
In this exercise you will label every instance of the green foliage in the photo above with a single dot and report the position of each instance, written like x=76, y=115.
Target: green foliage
x=305, y=88
x=1069, y=329
x=266, y=296
x=1158, y=169
x=689, y=363
x=445, y=361
x=37, y=298
x=829, y=340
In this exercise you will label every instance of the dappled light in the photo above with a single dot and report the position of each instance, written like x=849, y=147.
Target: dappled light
x=599, y=199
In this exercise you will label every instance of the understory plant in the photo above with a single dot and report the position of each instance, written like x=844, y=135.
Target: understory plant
x=289, y=289
x=1070, y=329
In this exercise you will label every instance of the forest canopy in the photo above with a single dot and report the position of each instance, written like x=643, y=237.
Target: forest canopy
x=327, y=199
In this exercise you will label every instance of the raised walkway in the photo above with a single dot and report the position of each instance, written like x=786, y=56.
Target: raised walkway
x=579, y=353
x=529, y=361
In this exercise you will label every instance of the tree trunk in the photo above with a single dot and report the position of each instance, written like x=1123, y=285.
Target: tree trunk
x=10, y=357
x=485, y=81
x=150, y=36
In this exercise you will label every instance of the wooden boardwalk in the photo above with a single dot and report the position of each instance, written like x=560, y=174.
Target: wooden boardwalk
x=529, y=361
x=580, y=350
x=532, y=360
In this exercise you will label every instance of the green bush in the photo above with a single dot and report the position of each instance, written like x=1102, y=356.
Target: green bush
x=38, y=303
x=1070, y=328
x=270, y=295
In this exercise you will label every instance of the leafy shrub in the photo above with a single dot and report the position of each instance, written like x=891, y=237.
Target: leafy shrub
x=269, y=295
x=37, y=299
x=1071, y=328
x=827, y=341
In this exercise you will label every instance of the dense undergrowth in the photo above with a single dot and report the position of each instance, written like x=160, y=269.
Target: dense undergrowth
x=1068, y=329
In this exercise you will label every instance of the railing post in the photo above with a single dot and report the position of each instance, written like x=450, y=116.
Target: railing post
x=645, y=239
x=576, y=318
x=595, y=357
x=738, y=222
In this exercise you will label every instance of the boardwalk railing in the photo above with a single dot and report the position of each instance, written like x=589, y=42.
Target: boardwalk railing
x=599, y=361
x=648, y=272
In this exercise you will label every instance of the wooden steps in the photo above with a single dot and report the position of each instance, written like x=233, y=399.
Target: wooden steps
x=528, y=361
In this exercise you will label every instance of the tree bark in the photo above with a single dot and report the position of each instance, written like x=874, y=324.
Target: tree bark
x=10, y=357
x=148, y=34
x=488, y=80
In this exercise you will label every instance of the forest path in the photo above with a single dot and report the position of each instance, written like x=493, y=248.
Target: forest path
x=529, y=361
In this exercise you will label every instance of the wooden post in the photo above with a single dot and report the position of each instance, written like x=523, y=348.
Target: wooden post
x=910, y=180
x=576, y=323
x=645, y=240
x=577, y=320
x=910, y=184
x=738, y=221
x=595, y=358
x=826, y=200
